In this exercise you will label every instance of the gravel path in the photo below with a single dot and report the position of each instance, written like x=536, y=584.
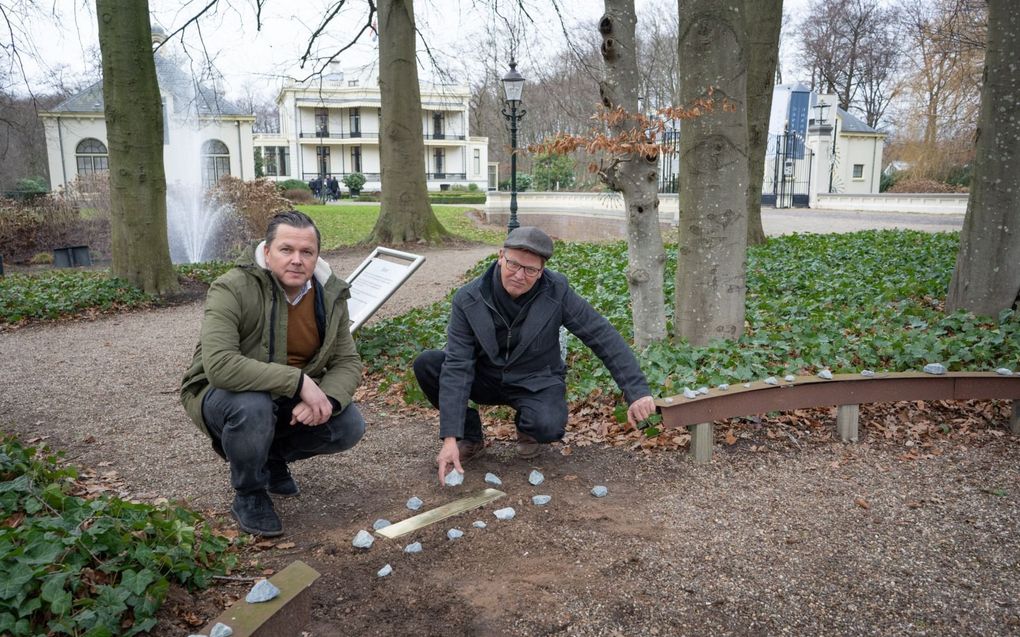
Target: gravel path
x=814, y=539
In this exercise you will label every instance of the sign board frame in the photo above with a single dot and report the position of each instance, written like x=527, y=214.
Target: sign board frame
x=376, y=279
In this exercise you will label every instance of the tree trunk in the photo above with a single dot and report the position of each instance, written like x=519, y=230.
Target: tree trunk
x=134, y=131
x=405, y=214
x=987, y=275
x=763, y=20
x=635, y=176
x=712, y=252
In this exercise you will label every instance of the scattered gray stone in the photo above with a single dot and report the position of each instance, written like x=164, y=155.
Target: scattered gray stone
x=690, y=393
x=493, y=479
x=789, y=378
x=1003, y=371
x=414, y=503
x=599, y=491
x=363, y=539
x=453, y=534
x=702, y=390
x=380, y=524
x=867, y=373
x=505, y=514
x=263, y=591
x=535, y=477
x=221, y=630
x=669, y=399
x=747, y=384
x=936, y=369
x=478, y=524
x=541, y=500
x=454, y=478
x=826, y=374
x=413, y=547
x=384, y=571
x=724, y=386
x=771, y=380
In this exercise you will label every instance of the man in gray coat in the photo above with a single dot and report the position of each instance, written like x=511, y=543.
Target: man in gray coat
x=503, y=349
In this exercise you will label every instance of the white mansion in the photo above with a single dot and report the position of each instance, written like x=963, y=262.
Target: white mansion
x=329, y=127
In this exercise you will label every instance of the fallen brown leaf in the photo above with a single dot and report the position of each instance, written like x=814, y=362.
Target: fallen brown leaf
x=861, y=502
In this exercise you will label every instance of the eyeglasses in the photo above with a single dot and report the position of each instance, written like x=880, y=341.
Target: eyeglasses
x=514, y=267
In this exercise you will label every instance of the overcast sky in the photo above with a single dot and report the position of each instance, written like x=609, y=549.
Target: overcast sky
x=64, y=34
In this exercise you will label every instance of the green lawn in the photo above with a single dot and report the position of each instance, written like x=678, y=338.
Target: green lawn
x=349, y=224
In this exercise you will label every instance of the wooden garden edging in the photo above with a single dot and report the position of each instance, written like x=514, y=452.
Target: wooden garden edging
x=846, y=391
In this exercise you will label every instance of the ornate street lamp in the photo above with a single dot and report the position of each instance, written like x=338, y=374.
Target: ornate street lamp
x=513, y=86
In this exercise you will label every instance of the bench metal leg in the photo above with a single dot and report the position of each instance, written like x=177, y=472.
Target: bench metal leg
x=701, y=442
x=847, y=417
x=1014, y=420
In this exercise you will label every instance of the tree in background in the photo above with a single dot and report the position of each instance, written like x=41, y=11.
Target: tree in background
x=633, y=173
x=134, y=129
x=712, y=250
x=987, y=275
x=550, y=171
x=405, y=213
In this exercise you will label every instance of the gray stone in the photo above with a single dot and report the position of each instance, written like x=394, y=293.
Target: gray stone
x=771, y=380
x=454, y=534
x=414, y=503
x=540, y=500
x=478, y=524
x=454, y=478
x=535, y=477
x=867, y=373
x=380, y=524
x=724, y=386
x=747, y=384
x=221, y=630
x=826, y=374
x=263, y=591
x=384, y=571
x=413, y=547
x=363, y=539
x=669, y=399
x=936, y=369
x=599, y=491
x=702, y=390
x=493, y=479
x=1004, y=371
x=505, y=514
x=690, y=393
x=789, y=378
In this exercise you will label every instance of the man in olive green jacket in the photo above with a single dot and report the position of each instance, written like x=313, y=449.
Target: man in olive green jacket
x=275, y=369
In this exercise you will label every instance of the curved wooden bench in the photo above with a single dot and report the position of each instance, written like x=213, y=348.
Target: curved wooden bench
x=846, y=391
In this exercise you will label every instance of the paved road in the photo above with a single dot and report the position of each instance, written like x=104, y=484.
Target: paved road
x=790, y=220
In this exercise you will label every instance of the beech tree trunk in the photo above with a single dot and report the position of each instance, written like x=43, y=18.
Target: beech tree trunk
x=987, y=275
x=712, y=251
x=635, y=176
x=405, y=214
x=134, y=131
x=763, y=20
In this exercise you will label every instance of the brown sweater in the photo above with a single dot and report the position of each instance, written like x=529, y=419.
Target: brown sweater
x=302, y=332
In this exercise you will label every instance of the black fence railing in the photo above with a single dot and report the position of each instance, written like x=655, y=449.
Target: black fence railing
x=450, y=176
x=340, y=176
x=347, y=135
x=444, y=136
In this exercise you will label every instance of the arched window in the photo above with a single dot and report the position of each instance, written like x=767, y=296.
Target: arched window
x=92, y=156
x=215, y=162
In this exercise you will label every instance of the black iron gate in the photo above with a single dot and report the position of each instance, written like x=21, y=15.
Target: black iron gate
x=787, y=171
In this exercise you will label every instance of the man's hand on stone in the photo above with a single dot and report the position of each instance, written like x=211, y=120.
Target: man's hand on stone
x=314, y=408
x=640, y=409
x=448, y=458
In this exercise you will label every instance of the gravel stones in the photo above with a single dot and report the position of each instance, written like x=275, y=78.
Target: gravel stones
x=384, y=571
x=414, y=503
x=221, y=630
x=413, y=547
x=363, y=539
x=599, y=491
x=936, y=369
x=535, y=477
x=771, y=380
x=789, y=378
x=541, y=500
x=690, y=393
x=723, y=386
x=826, y=374
x=867, y=373
x=505, y=514
x=263, y=591
x=493, y=479
x=454, y=534
x=478, y=524
x=454, y=478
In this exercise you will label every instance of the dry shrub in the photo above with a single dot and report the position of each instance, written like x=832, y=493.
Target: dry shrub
x=253, y=204
x=912, y=185
x=300, y=196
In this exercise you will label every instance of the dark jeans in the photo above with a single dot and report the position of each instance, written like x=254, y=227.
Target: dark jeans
x=254, y=430
x=540, y=414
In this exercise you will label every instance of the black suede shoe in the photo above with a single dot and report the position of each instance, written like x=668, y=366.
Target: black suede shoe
x=255, y=514
x=280, y=481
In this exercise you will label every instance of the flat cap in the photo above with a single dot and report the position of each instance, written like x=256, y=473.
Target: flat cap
x=531, y=239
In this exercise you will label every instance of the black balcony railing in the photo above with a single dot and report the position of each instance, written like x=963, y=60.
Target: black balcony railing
x=444, y=136
x=340, y=177
x=347, y=135
x=448, y=176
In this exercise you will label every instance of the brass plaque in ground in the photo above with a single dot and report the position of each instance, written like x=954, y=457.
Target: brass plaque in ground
x=440, y=513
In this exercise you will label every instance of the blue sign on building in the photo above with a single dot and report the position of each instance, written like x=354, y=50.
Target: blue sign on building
x=797, y=116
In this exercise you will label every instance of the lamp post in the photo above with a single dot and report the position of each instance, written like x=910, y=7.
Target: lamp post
x=513, y=85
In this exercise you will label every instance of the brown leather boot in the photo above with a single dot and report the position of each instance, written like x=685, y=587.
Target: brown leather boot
x=527, y=447
x=470, y=449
